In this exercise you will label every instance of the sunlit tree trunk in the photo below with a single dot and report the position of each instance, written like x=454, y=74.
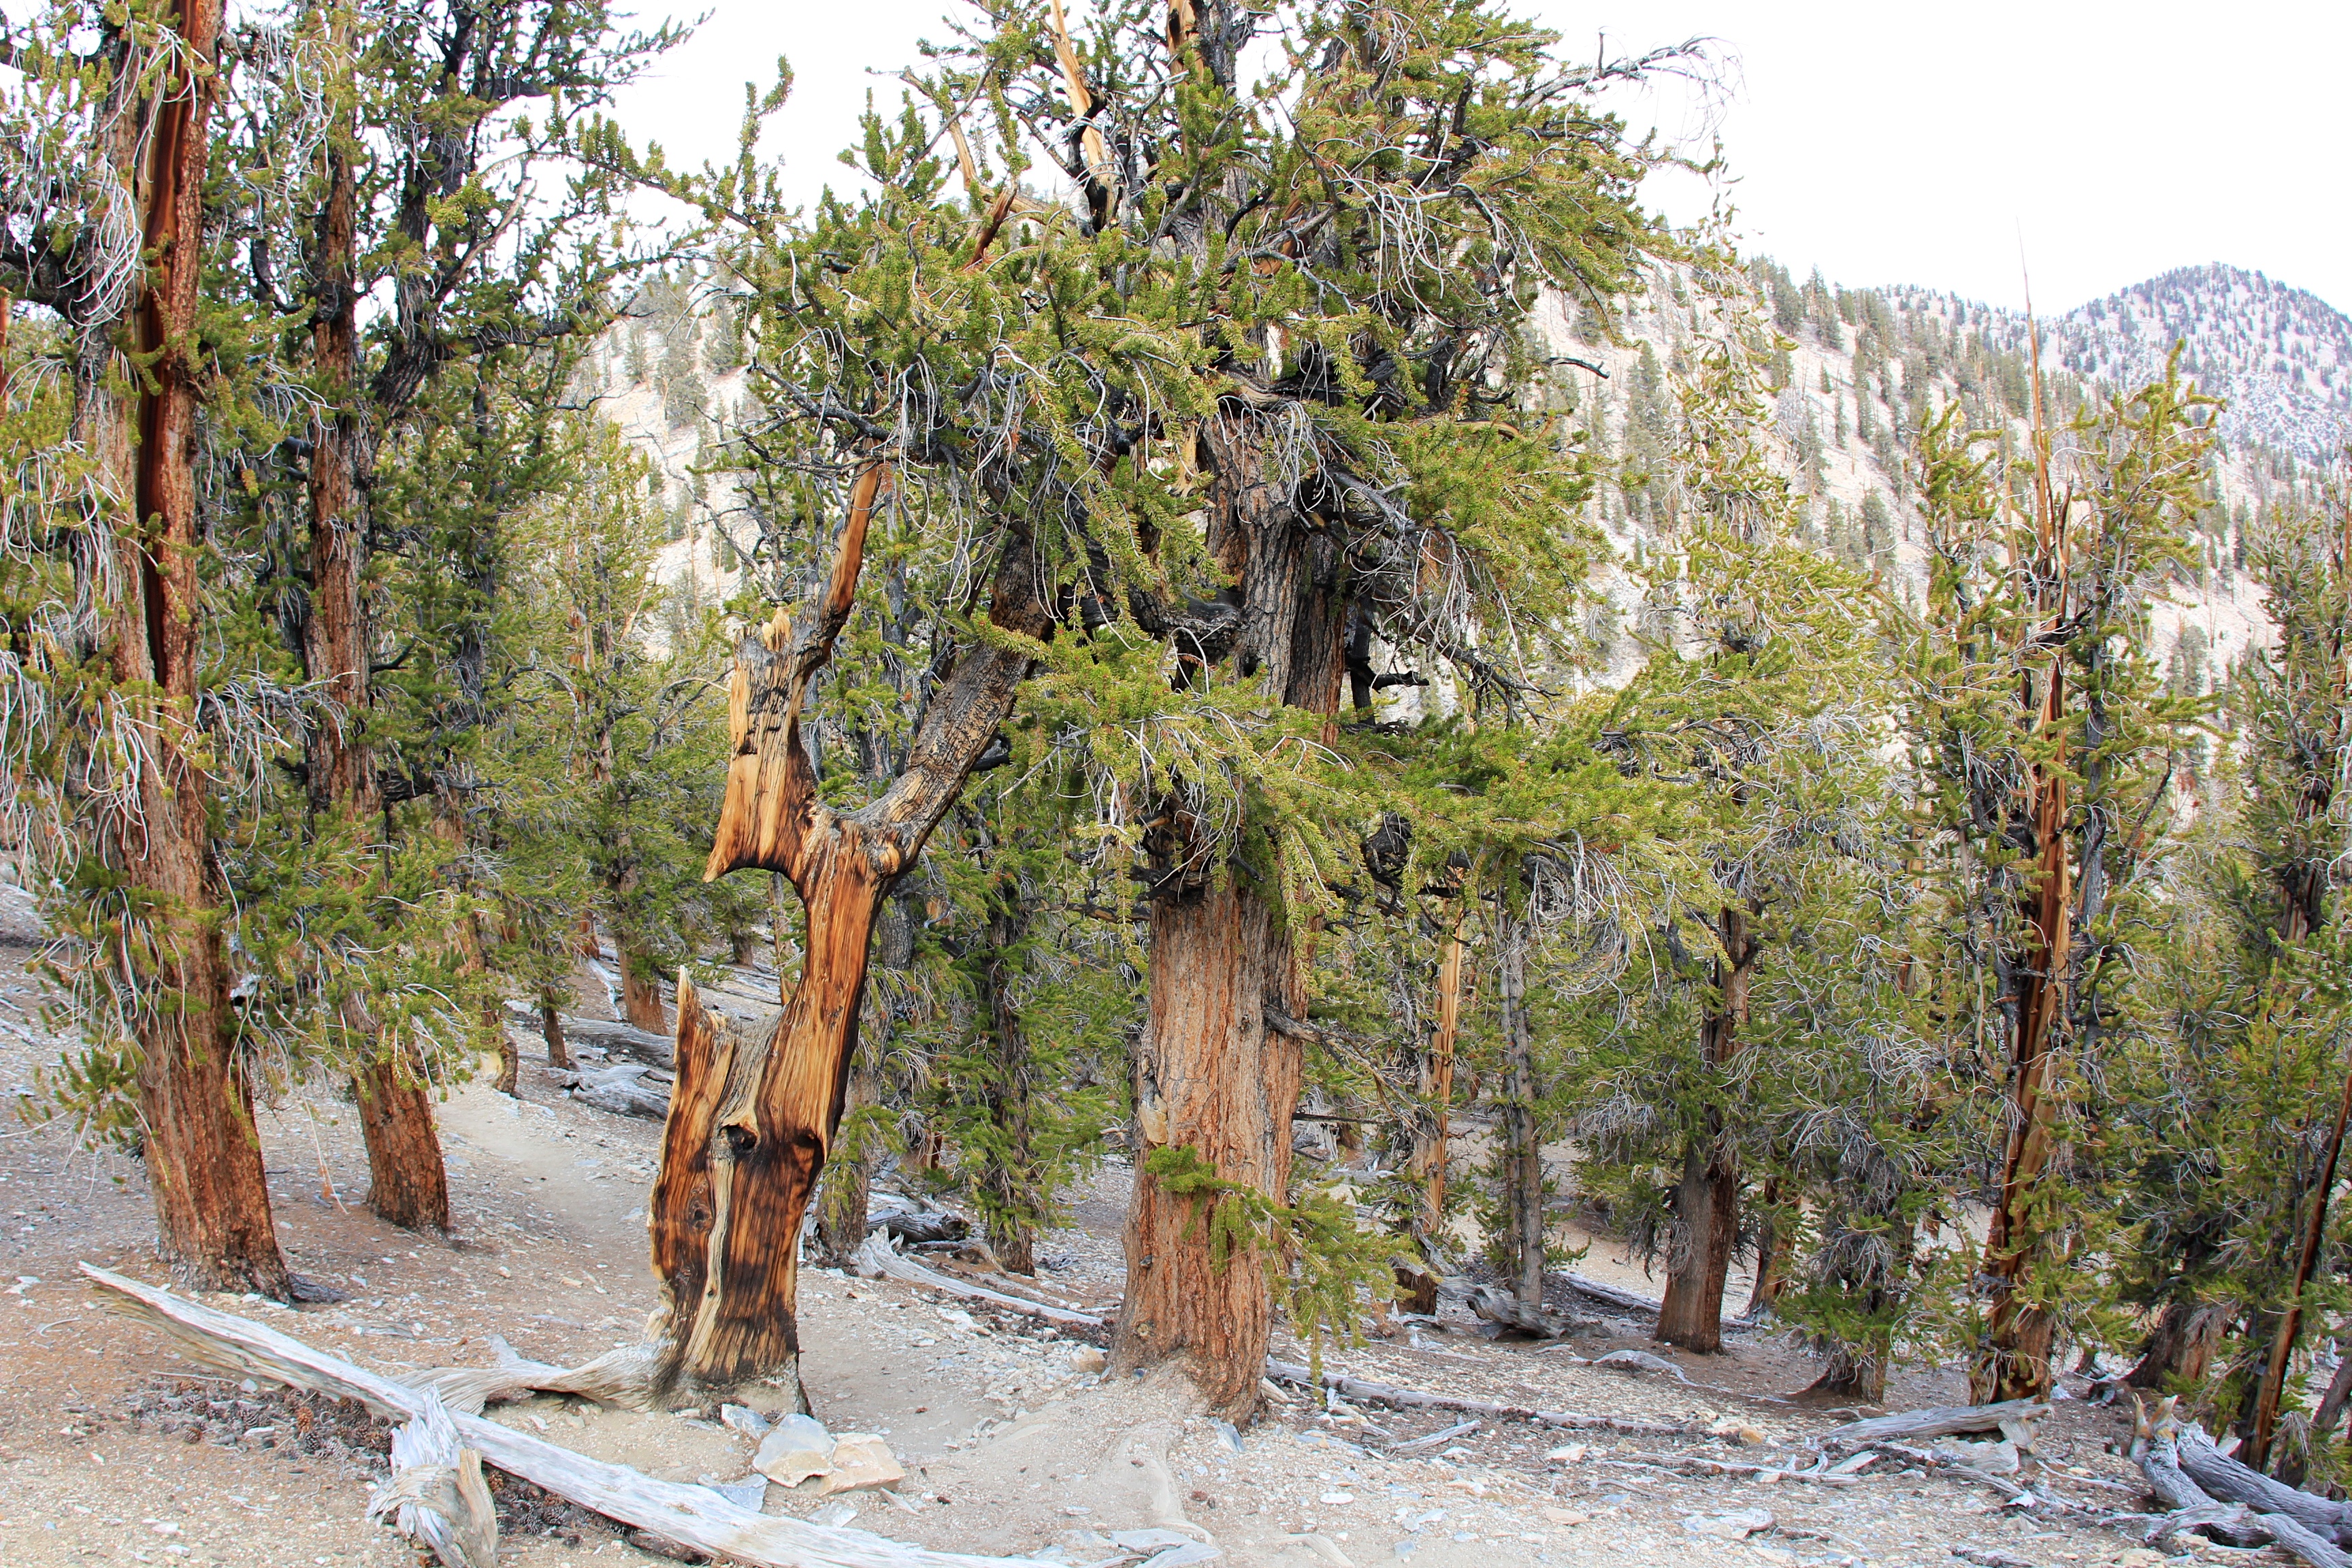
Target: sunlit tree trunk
x=750, y=1121
x=1215, y=1074
x=195, y=1104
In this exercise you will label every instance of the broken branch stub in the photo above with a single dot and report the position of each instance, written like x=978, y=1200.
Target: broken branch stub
x=692, y=1516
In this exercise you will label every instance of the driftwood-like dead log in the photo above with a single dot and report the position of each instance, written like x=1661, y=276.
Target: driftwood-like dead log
x=2156, y=1445
x=1943, y=1421
x=876, y=1257
x=2227, y=1480
x=1366, y=1392
x=435, y=1493
x=1508, y=1314
x=629, y=1377
x=1611, y=1296
x=693, y=1515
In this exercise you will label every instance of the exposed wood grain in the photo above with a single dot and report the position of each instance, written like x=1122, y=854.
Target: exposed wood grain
x=692, y=1515
x=435, y=1493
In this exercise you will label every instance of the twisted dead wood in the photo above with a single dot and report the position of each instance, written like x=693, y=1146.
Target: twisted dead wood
x=691, y=1515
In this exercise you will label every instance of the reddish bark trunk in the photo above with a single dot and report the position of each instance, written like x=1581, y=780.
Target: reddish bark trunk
x=2290, y=1328
x=1772, y=1249
x=2014, y=1362
x=551, y=1030
x=204, y=1163
x=641, y=993
x=2180, y=1346
x=1213, y=1078
x=1706, y=1199
x=751, y=1123
x=408, y=1183
x=1430, y=1154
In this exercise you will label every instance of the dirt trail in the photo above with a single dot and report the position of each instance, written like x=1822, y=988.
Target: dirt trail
x=114, y=1452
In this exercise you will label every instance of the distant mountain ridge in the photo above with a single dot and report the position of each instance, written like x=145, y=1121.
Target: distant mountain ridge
x=2281, y=356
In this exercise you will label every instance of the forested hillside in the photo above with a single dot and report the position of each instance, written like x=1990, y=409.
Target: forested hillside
x=1238, y=625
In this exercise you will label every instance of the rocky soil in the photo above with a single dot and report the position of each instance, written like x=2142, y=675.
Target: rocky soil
x=112, y=1450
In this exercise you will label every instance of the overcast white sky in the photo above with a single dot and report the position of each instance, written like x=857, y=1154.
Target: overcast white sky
x=1886, y=143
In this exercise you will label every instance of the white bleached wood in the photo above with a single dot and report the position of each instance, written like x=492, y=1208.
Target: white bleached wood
x=692, y=1516
x=876, y=1257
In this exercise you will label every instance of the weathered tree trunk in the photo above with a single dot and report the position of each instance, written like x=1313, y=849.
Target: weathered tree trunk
x=1211, y=1076
x=841, y=1219
x=1772, y=1249
x=1215, y=1079
x=2015, y=1360
x=408, y=1184
x=2290, y=1326
x=551, y=1030
x=2181, y=1345
x=1522, y=1150
x=750, y=1125
x=1428, y=1156
x=204, y=1160
x=1706, y=1199
x=641, y=993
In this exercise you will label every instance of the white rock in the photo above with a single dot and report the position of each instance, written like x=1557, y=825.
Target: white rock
x=835, y=1514
x=1737, y=1526
x=745, y=1419
x=795, y=1449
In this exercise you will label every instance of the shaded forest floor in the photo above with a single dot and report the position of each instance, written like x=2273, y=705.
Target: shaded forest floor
x=114, y=1450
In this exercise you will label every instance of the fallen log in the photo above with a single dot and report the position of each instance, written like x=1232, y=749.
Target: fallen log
x=876, y=1257
x=2227, y=1480
x=629, y=1376
x=1610, y=1295
x=1943, y=1421
x=1507, y=1314
x=436, y=1492
x=1366, y=1392
x=626, y=1088
x=2156, y=1445
x=693, y=1515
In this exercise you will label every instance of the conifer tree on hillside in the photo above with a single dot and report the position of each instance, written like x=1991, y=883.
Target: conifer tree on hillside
x=2044, y=744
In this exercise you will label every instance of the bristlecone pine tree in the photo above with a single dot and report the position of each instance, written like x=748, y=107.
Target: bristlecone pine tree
x=109, y=605
x=2045, y=741
x=1250, y=388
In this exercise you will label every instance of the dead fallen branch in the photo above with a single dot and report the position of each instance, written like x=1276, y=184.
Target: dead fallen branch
x=628, y=1377
x=2163, y=1448
x=1610, y=1295
x=1370, y=1393
x=2227, y=1480
x=877, y=1259
x=1945, y=1420
x=436, y=1492
x=693, y=1515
